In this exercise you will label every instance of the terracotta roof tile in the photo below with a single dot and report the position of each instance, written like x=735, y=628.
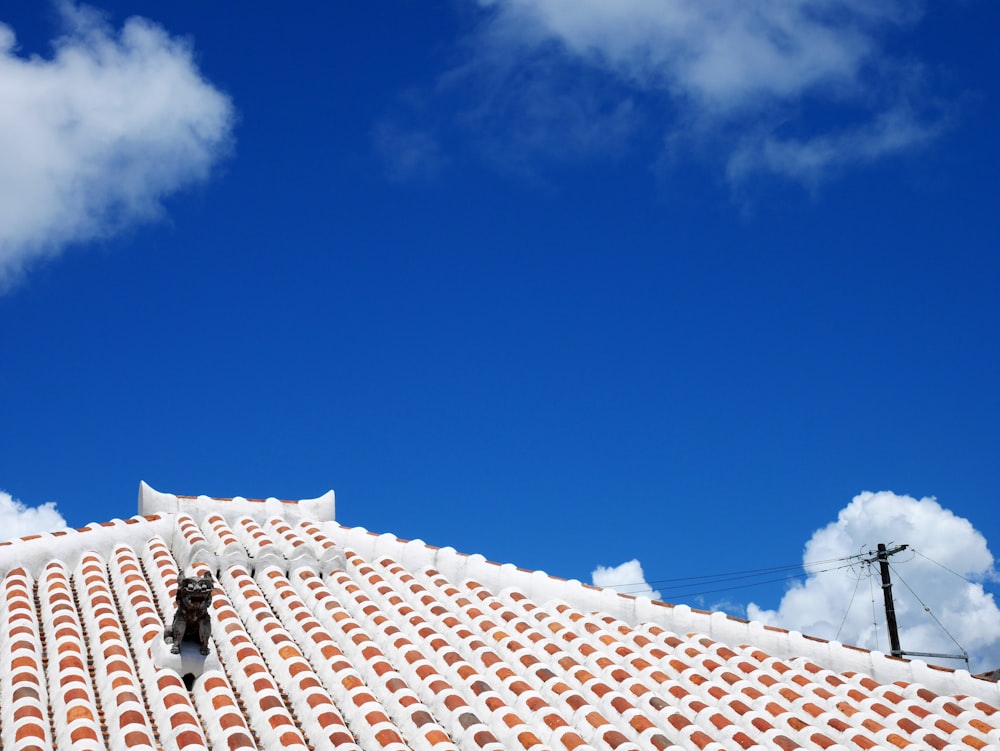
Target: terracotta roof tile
x=331, y=637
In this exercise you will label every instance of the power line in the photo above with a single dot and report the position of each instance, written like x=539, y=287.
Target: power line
x=758, y=571
x=709, y=579
x=765, y=581
x=848, y=611
x=871, y=588
x=950, y=571
x=676, y=591
x=965, y=653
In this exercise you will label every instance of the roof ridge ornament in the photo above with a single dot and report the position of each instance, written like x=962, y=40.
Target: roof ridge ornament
x=320, y=509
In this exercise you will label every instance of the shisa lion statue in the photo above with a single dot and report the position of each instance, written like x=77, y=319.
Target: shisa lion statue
x=194, y=596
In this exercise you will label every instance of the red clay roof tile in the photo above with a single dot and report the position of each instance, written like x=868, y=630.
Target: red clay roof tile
x=325, y=636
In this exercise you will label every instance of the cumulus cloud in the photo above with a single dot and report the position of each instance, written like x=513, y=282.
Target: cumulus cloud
x=788, y=87
x=948, y=550
x=97, y=135
x=18, y=520
x=626, y=578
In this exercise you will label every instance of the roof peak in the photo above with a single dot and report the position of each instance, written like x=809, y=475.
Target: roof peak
x=152, y=502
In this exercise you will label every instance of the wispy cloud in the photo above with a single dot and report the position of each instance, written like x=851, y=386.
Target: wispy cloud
x=408, y=154
x=721, y=55
x=809, y=160
x=951, y=558
x=627, y=578
x=97, y=135
x=545, y=79
x=19, y=520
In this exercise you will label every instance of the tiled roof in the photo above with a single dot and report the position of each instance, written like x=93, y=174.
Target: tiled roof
x=329, y=637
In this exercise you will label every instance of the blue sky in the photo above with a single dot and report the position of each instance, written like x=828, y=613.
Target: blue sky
x=566, y=284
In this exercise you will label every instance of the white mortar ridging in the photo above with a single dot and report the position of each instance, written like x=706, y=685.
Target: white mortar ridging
x=116, y=674
x=402, y=633
x=699, y=670
x=650, y=669
x=526, y=703
x=282, y=597
x=302, y=606
x=362, y=629
x=316, y=509
x=69, y=546
x=249, y=671
x=189, y=544
x=521, y=692
x=211, y=692
x=584, y=712
x=292, y=546
x=608, y=664
x=227, y=548
x=371, y=668
x=313, y=706
x=412, y=614
x=384, y=681
x=162, y=572
x=177, y=716
x=22, y=688
x=173, y=710
x=135, y=598
x=262, y=549
x=579, y=680
x=74, y=717
x=214, y=697
x=500, y=653
x=449, y=707
x=680, y=619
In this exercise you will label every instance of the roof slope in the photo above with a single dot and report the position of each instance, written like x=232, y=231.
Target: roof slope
x=330, y=637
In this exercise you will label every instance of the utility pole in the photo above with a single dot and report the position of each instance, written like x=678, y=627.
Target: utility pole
x=882, y=556
x=890, y=610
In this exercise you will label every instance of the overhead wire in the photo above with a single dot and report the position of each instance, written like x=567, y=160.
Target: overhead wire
x=749, y=572
x=847, y=612
x=871, y=588
x=682, y=586
x=927, y=609
x=950, y=571
x=760, y=583
x=710, y=579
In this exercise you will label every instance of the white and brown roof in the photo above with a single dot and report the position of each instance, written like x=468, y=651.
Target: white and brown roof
x=331, y=637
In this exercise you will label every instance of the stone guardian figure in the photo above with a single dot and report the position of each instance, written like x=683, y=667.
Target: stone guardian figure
x=191, y=621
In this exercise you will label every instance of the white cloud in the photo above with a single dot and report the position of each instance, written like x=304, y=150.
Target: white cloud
x=721, y=54
x=97, y=135
x=626, y=578
x=730, y=79
x=18, y=520
x=819, y=605
x=810, y=160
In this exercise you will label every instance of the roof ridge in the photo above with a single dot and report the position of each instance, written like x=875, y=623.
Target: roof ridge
x=321, y=508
